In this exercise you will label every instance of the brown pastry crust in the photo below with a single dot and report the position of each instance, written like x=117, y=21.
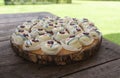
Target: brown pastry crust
x=62, y=58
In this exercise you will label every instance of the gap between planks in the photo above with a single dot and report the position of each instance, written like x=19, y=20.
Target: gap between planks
x=102, y=57
x=107, y=70
x=90, y=67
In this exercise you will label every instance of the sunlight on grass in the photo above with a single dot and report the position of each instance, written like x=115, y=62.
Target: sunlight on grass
x=105, y=14
x=1, y=2
x=115, y=37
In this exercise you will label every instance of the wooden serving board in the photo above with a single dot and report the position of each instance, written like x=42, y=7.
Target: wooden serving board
x=58, y=59
x=105, y=63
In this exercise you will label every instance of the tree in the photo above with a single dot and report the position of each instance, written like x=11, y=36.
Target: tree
x=33, y=1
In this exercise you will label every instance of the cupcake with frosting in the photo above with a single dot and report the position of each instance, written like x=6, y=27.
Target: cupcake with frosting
x=85, y=39
x=75, y=30
x=37, y=31
x=28, y=24
x=61, y=35
x=48, y=27
x=31, y=45
x=50, y=47
x=23, y=27
x=71, y=44
x=35, y=21
x=43, y=37
x=95, y=34
x=89, y=27
x=57, y=29
x=39, y=25
x=23, y=33
x=61, y=22
x=76, y=21
x=84, y=22
x=67, y=19
x=17, y=39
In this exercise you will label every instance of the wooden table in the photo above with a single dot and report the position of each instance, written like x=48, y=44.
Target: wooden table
x=105, y=64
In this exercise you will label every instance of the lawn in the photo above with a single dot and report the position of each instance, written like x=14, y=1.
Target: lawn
x=105, y=14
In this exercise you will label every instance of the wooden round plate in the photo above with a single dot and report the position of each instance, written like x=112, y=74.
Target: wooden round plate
x=58, y=59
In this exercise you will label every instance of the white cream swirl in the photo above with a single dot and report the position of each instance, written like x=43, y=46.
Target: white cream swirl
x=36, y=32
x=43, y=37
x=61, y=35
x=50, y=47
x=71, y=44
x=48, y=27
x=28, y=24
x=57, y=29
x=23, y=33
x=38, y=25
x=89, y=27
x=30, y=45
x=35, y=21
x=23, y=27
x=75, y=31
x=95, y=34
x=61, y=22
x=17, y=39
x=85, y=39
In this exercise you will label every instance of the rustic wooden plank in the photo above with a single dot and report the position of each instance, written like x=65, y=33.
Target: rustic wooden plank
x=19, y=19
x=5, y=38
x=23, y=17
x=17, y=15
x=30, y=70
x=10, y=62
x=9, y=75
x=7, y=29
x=113, y=46
x=7, y=56
x=27, y=70
x=107, y=70
x=8, y=25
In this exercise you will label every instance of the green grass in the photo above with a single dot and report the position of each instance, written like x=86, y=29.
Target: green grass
x=1, y=2
x=105, y=14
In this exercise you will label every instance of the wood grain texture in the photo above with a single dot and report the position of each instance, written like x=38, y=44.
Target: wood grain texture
x=7, y=57
x=17, y=15
x=12, y=64
x=58, y=59
x=107, y=70
x=112, y=46
x=22, y=18
x=10, y=22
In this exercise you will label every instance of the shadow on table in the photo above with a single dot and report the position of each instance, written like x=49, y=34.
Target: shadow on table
x=114, y=37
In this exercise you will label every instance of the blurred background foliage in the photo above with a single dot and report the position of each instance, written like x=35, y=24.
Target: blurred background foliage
x=26, y=2
x=104, y=13
x=15, y=2
x=21, y=2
